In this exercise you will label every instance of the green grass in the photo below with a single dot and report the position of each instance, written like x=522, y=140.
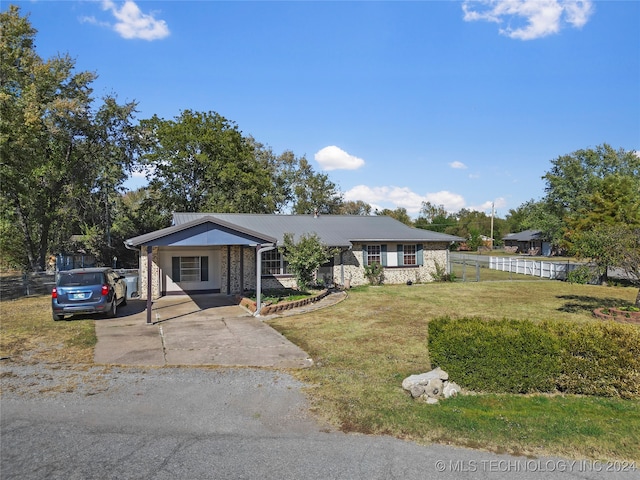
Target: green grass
x=365, y=346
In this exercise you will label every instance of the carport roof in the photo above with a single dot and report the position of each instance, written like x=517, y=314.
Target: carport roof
x=204, y=230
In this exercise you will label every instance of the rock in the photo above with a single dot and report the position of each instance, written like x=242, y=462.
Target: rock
x=450, y=389
x=433, y=389
x=416, y=390
x=423, y=378
x=431, y=386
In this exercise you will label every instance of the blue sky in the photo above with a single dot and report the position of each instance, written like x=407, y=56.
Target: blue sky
x=462, y=104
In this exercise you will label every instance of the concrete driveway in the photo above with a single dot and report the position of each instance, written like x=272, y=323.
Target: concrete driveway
x=193, y=330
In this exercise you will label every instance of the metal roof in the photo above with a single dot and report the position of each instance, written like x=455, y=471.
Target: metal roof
x=333, y=230
x=524, y=236
x=249, y=236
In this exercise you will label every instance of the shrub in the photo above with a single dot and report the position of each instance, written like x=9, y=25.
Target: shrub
x=495, y=356
x=510, y=356
x=441, y=275
x=600, y=359
x=374, y=273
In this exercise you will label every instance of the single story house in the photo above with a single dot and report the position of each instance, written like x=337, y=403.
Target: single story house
x=231, y=253
x=528, y=242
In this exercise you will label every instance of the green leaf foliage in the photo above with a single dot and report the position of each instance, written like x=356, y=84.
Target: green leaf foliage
x=520, y=356
x=305, y=257
x=504, y=356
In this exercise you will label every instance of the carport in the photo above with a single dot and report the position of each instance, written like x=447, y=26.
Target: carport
x=204, y=256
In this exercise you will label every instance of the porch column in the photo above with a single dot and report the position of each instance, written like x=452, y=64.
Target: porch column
x=241, y=269
x=259, y=250
x=149, y=282
x=228, y=269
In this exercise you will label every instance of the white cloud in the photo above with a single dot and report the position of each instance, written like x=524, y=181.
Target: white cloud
x=452, y=202
x=540, y=17
x=132, y=23
x=334, y=158
x=499, y=202
x=404, y=197
x=458, y=165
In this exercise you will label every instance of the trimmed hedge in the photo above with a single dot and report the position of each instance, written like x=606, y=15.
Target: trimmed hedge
x=520, y=356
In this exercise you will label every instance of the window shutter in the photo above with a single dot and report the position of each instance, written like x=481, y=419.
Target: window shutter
x=383, y=255
x=364, y=255
x=419, y=255
x=400, y=254
x=175, y=269
x=204, y=269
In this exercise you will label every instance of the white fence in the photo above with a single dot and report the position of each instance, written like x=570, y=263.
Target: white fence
x=536, y=268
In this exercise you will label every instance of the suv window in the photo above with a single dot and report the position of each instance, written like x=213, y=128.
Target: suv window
x=80, y=279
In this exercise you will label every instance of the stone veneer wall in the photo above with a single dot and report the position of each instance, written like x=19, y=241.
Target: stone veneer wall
x=354, y=271
x=155, y=274
x=352, y=267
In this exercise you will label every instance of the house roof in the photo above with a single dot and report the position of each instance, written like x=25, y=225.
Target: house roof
x=333, y=230
x=524, y=236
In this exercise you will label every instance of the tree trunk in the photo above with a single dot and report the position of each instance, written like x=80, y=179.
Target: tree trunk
x=31, y=256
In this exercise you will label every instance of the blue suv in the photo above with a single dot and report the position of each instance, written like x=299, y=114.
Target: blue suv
x=88, y=290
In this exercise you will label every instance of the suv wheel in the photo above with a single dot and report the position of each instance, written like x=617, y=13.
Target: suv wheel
x=113, y=310
x=57, y=317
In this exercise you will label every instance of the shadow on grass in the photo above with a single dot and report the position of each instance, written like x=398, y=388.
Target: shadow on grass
x=583, y=303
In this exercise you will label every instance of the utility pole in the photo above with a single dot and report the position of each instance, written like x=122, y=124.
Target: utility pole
x=492, y=204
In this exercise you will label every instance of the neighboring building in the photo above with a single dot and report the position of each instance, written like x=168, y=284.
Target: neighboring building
x=528, y=242
x=221, y=252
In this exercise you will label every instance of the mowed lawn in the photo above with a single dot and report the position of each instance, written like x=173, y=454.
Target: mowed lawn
x=365, y=346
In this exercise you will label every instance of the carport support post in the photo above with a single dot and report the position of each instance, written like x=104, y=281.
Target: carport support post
x=259, y=250
x=149, y=279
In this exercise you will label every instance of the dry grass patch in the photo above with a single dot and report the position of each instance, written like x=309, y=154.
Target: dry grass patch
x=366, y=345
x=28, y=333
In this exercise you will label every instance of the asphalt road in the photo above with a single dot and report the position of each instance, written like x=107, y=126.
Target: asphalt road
x=195, y=423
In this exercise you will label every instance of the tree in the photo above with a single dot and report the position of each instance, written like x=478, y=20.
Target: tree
x=135, y=213
x=574, y=178
x=615, y=200
x=399, y=214
x=537, y=215
x=435, y=218
x=355, y=207
x=611, y=245
x=305, y=257
x=201, y=162
x=49, y=142
x=313, y=192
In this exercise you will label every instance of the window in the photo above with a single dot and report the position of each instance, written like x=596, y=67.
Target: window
x=273, y=263
x=190, y=269
x=373, y=255
x=409, y=255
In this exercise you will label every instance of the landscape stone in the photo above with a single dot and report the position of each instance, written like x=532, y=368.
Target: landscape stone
x=431, y=386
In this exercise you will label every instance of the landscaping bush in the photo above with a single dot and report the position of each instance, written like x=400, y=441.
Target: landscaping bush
x=495, y=356
x=600, y=359
x=511, y=356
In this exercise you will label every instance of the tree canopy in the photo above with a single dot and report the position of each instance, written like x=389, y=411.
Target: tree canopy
x=62, y=161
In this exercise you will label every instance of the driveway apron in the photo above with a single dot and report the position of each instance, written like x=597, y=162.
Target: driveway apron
x=193, y=330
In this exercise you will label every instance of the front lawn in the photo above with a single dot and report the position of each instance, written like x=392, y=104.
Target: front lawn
x=365, y=346
x=28, y=333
